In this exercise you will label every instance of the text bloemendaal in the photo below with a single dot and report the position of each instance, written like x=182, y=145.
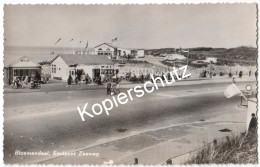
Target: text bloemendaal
x=122, y=98
x=55, y=153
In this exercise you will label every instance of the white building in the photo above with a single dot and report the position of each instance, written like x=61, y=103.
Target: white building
x=208, y=60
x=175, y=57
x=111, y=51
x=80, y=65
x=25, y=66
x=22, y=67
x=211, y=60
x=140, y=53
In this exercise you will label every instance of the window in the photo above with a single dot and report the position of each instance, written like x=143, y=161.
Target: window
x=102, y=71
x=21, y=73
x=15, y=72
x=53, y=69
x=27, y=72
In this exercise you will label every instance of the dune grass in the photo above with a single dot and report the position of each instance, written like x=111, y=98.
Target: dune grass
x=236, y=149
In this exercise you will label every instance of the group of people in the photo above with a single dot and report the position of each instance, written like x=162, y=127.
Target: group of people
x=204, y=74
x=86, y=80
x=18, y=82
x=112, y=88
x=240, y=74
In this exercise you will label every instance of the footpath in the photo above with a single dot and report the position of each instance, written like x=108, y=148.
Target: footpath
x=123, y=85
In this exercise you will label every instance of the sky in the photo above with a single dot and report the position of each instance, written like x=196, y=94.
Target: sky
x=135, y=26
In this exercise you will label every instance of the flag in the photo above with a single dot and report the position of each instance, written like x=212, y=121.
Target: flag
x=86, y=45
x=58, y=41
x=231, y=91
x=114, y=40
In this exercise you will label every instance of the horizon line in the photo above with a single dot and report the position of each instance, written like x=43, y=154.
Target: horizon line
x=69, y=47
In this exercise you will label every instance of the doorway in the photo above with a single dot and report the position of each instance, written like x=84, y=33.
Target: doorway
x=78, y=74
x=96, y=73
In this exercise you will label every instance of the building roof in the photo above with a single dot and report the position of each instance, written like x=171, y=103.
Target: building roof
x=116, y=47
x=72, y=59
x=109, y=44
x=24, y=62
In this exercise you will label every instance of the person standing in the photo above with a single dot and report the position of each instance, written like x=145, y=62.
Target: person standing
x=109, y=88
x=26, y=80
x=99, y=80
x=76, y=80
x=240, y=74
x=69, y=81
x=234, y=80
x=117, y=88
x=86, y=78
x=230, y=75
x=112, y=89
x=252, y=124
x=81, y=78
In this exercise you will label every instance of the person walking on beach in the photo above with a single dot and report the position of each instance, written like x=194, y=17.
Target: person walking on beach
x=69, y=81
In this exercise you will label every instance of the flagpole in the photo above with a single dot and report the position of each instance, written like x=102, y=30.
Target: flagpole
x=87, y=48
x=244, y=96
x=63, y=49
x=80, y=47
x=188, y=57
x=241, y=92
x=73, y=46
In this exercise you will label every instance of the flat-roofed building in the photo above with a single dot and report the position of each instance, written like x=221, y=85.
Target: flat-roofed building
x=79, y=65
x=112, y=51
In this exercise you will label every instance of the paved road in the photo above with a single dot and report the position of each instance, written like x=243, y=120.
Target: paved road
x=43, y=121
